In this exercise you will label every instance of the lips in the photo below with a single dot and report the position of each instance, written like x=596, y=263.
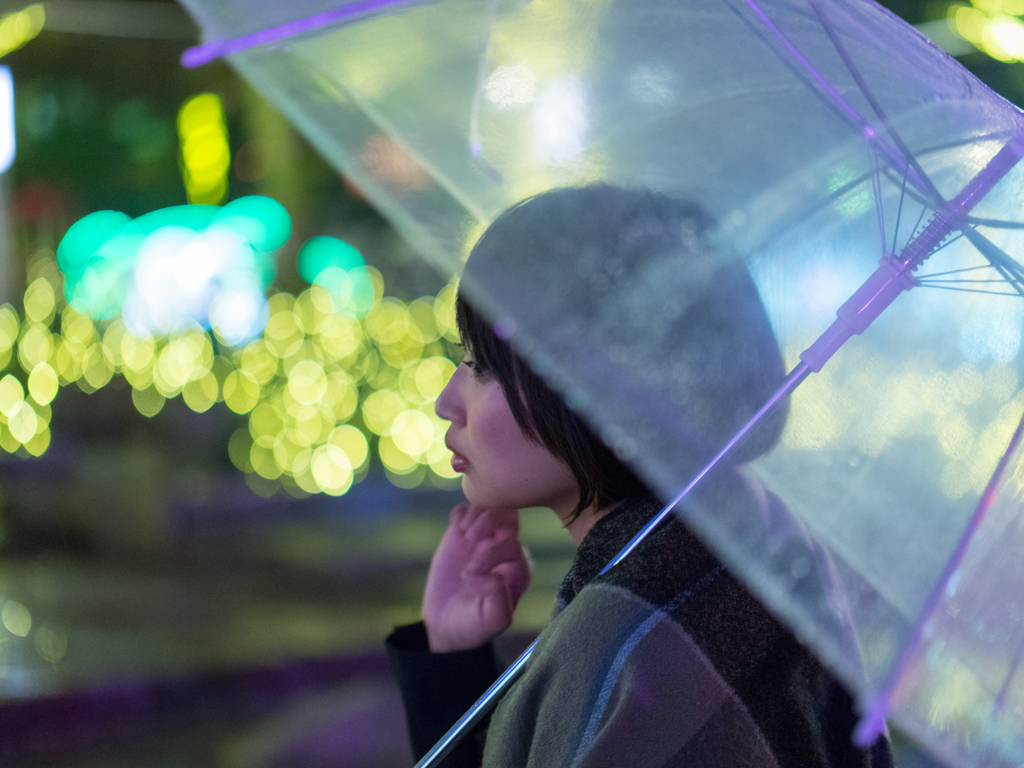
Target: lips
x=459, y=462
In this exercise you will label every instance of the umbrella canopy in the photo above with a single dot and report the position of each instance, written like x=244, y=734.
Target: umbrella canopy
x=824, y=137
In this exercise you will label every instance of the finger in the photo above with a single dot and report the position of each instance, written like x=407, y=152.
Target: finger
x=495, y=604
x=469, y=517
x=516, y=575
x=457, y=513
x=490, y=521
x=504, y=549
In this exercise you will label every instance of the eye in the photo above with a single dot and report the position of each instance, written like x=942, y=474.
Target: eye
x=474, y=367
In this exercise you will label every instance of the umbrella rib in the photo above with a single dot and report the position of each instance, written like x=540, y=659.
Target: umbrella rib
x=876, y=189
x=995, y=223
x=908, y=156
x=897, y=157
x=954, y=271
x=956, y=282
x=899, y=210
x=207, y=52
x=967, y=290
x=998, y=258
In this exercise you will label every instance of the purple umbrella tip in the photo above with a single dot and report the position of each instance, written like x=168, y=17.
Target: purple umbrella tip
x=197, y=56
x=872, y=725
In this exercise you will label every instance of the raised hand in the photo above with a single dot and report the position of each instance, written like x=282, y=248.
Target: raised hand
x=476, y=578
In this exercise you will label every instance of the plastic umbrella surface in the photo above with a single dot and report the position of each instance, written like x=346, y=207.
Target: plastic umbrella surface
x=827, y=138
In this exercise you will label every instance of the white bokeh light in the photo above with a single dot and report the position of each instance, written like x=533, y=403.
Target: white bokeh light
x=183, y=278
x=560, y=122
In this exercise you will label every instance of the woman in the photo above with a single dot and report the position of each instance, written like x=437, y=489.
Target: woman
x=665, y=659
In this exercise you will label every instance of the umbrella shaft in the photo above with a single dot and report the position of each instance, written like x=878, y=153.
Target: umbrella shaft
x=893, y=275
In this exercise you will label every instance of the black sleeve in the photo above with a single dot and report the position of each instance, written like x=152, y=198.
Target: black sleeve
x=437, y=689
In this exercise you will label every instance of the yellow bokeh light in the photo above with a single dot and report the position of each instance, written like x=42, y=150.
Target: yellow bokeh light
x=205, y=154
x=443, y=468
x=332, y=469
x=423, y=316
x=282, y=334
x=11, y=394
x=353, y=443
x=35, y=346
x=394, y=458
x=40, y=302
x=40, y=441
x=307, y=382
x=7, y=441
x=23, y=422
x=43, y=383
x=18, y=28
x=95, y=369
x=239, y=445
x=51, y=644
x=340, y=336
x=241, y=391
x=113, y=338
x=148, y=401
x=308, y=427
x=1003, y=38
x=137, y=353
x=286, y=452
x=263, y=462
x=388, y=322
x=341, y=395
x=265, y=419
x=77, y=327
x=8, y=327
x=315, y=366
x=259, y=361
x=444, y=312
x=432, y=376
x=200, y=394
x=380, y=409
x=16, y=618
x=413, y=432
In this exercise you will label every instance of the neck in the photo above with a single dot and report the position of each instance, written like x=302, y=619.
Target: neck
x=581, y=526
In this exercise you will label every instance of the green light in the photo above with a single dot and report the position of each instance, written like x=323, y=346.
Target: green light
x=197, y=217
x=85, y=237
x=262, y=221
x=320, y=253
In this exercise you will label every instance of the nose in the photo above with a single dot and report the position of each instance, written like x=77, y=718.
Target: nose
x=449, y=405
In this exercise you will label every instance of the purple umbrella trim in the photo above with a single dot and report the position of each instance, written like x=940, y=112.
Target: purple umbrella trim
x=204, y=54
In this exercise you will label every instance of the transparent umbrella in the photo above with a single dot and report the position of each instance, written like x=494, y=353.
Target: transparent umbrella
x=848, y=161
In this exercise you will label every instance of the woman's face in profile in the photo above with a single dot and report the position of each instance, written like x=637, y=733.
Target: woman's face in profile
x=501, y=467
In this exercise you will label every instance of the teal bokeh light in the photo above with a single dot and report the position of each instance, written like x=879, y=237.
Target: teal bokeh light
x=262, y=221
x=320, y=253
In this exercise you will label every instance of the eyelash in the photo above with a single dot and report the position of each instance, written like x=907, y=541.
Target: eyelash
x=472, y=365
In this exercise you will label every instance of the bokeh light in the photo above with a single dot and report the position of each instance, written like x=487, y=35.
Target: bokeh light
x=172, y=268
x=334, y=381
x=18, y=28
x=205, y=154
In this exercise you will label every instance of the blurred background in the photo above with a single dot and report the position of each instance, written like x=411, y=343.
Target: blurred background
x=221, y=478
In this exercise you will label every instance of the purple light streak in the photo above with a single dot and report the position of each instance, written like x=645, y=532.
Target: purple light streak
x=204, y=54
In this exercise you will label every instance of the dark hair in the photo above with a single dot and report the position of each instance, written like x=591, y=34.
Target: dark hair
x=629, y=285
